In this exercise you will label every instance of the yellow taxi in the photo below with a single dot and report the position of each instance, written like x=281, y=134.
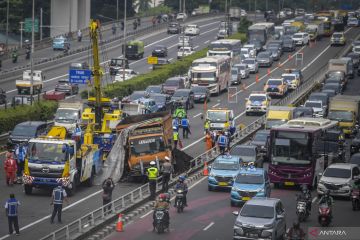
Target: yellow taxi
x=276, y=87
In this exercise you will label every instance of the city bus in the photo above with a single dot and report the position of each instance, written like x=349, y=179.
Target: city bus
x=213, y=72
x=297, y=151
x=261, y=32
x=326, y=17
x=226, y=47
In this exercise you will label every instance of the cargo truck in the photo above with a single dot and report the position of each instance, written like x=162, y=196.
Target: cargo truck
x=68, y=115
x=315, y=30
x=151, y=140
x=235, y=13
x=23, y=86
x=339, y=65
x=278, y=115
x=345, y=110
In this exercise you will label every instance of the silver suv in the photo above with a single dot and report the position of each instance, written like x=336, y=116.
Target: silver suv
x=260, y=218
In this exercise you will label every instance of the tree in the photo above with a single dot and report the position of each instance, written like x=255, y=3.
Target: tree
x=142, y=5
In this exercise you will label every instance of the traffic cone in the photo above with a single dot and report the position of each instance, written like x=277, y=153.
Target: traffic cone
x=206, y=170
x=119, y=224
x=268, y=72
x=257, y=78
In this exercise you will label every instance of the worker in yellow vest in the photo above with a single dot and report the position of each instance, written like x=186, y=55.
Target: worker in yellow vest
x=152, y=174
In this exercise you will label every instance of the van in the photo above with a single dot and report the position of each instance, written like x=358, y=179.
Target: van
x=350, y=67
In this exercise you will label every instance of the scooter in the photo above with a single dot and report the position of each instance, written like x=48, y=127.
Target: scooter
x=302, y=210
x=179, y=200
x=355, y=199
x=324, y=217
x=160, y=223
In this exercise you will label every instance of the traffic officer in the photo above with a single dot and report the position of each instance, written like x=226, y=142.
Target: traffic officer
x=167, y=169
x=20, y=153
x=58, y=196
x=175, y=137
x=207, y=125
x=185, y=126
x=222, y=142
x=11, y=207
x=152, y=174
x=175, y=124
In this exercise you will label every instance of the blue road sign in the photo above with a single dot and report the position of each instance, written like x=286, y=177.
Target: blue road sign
x=79, y=76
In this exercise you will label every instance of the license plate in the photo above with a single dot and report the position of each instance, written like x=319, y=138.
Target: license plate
x=223, y=183
x=289, y=184
x=245, y=198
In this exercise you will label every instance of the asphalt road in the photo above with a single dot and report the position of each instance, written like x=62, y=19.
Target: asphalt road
x=90, y=197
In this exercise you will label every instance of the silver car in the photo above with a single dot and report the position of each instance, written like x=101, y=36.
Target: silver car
x=244, y=70
x=264, y=59
x=252, y=65
x=260, y=218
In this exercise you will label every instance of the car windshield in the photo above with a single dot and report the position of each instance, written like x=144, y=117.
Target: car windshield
x=257, y=211
x=342, y=116
x=63, y=82
x=274, y=82
x=331, y=86
x=234, y=71
x=313, y=104
x=242, y=67
x=289, y=78
x=181, y=94
x=145, y=146
x=261, y=137
x=273, y=50
x=337, y=173
x=184, y=49
x=244, y=51
x=298, y=36
x=257, y=98
x=24, y=130
x=263, y=55
x=208, y=76
x=249, y=61
x=244, y=178
x=199, y=89
x=217, y=116
x=135, y=96
x=47, y=152
x=158, y=98
x=66, y=115
x=172, y=83
x=159, y=47
x=153, y=89
x=337, y=35
x=59, y=40
x=225, y=165
x=173, y=25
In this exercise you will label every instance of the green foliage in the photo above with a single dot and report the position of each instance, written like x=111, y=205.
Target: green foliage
x=244, y=25
x=142, y=5
x=154, y=11
x=40, y=111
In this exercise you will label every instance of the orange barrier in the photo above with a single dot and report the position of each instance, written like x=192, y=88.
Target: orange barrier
x=206, y=170
x=119, y=224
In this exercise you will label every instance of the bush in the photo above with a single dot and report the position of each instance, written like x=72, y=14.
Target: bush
x=40, y=111
x=244, y=25
x=155, y=11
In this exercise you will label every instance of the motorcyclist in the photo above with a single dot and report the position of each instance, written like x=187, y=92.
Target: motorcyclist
x=139, y=21
x=113, y=29
x=295, y=232
x=135, y=24
x=122, y=25
x=305, y=196
x=162, y=204
x=356, y=184
x=79, y=35
x=14, y=56
x=181, y=184
x=327, y=199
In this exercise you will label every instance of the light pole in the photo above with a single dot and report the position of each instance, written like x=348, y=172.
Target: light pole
x=117, y=10
x=7, y=23
x=124, y=62
x=21, y=33
x=70, y=16
x=32, y=49
x=41, y=23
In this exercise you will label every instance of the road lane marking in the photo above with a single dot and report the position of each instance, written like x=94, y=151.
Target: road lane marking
x=196, y=47
x=216, y=105
x=208, y=226
x=199, y=114
x=207, y=41
x=314, y=199
x=196, y=183
x=170, y=59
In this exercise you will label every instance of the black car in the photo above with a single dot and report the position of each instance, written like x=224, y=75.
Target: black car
x=134, y=96
x=303, y=112
x=155, y=89
x=355, y=159
x=174, y=27
x=333, y=86
x=262, y=141
x=289, y=45
x=24, y=131
x=185, y=96
x=65, y=86
x=329, y=92
x=2, y=96
x=201, y=93
x=160, y=51
x=163, y=101
x=355, y=144
x=355, y=58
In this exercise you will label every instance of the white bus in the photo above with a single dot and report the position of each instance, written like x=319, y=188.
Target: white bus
x=226, y=47
x=212, y=72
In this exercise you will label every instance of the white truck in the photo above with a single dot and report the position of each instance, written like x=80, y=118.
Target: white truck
x=24, y=85
x=235, y=13
x=68, y=115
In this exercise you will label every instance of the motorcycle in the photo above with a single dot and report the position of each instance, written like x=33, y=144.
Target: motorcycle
x=324, y=217
x=160, y=221
x=179, y=200
x=302, y=210
x=14, y=57
x=27, y=54
x=355, y=199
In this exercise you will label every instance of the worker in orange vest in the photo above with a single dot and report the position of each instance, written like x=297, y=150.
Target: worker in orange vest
x=10, y=167
x=208, y=141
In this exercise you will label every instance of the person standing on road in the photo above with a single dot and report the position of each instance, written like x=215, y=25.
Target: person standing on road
x=58, y=196
x=10, y=167
x=186, y=127
x=167, y=170
x=152, y=174
x=208, y=141
x=175, y=137
x=11, y=206
x=222, y=142
x=20, y=153
x=108, y=187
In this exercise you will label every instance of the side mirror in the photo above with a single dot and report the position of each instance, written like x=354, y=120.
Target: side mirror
x=320, y=174
x=236, y=213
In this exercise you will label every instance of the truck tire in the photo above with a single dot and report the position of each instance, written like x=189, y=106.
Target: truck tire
x=28, y=189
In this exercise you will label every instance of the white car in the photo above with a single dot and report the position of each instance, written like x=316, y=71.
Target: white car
x=181, y=17
x=192, y=30
x=184, y=41
x=301, y=38
x=356, y=49
x=339, y=179
x=244, y=70
x=252, y=64
x=252, y=49
x=353, y=22
x=184, y=51
x=243, y=13
x=129, y=73
x=245, y=52
x=317, y=107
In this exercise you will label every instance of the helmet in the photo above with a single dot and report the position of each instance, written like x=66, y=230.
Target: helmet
x=167, y=158
x=162, y=197
x=181, y=178
x=296, y=224
x=152, y=163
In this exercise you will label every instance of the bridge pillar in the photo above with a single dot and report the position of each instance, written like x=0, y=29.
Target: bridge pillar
x=69, y=15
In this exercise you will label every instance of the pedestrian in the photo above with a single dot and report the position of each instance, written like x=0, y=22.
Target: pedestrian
x=175, y=124
x=175, y=137
x=167, y=170
x=222, y=142
x=208, y=141
x=186, y=127
x=207, y=125
x=108, y=187
x=58, y=196
x=79, y=35
x=10, y=167
x=152, y=174
x=20, y=153
x=214, y=137
x=11, y=206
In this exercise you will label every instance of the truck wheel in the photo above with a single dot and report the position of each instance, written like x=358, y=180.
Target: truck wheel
x=28, y=189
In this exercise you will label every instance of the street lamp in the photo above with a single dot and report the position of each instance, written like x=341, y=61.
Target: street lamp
x=32, y=50
x=124, y=64
x=7, y=23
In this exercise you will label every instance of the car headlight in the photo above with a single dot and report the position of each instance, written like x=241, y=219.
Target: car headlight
x=266, y=234
x=211, y=174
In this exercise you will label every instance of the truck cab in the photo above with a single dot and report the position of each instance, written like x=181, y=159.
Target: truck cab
x=221, y=119
x=68, y=115
x=278, y=115
x=134, y=50
x=24, y=86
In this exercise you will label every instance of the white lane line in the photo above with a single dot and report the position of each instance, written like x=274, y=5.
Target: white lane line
x=208, y=226
x=196, y=47
x=170, y=59
x=207, y=41
x=216, y=105
x=314, y=199
x=192, y=186
x=199, y=114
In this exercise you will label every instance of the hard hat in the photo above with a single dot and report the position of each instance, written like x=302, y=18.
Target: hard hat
x=182, y=178
x=167, y=158
x=152, y=163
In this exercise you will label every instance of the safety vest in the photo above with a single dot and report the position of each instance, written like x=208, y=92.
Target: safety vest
x=175, y=123
x=12, y=205
x=222, y=141
x=58, y=195
x=152, y=173
x=176, y=136
x=207, y=125
x=20, y=153
x=184, y=122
